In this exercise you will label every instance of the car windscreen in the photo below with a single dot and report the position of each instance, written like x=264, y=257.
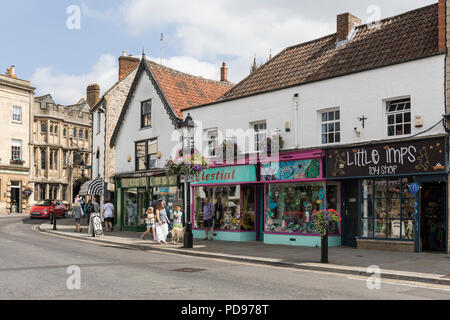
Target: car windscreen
x=45, y=203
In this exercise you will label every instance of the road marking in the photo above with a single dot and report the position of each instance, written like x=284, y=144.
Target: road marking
x=407, y=283
x=255, y=264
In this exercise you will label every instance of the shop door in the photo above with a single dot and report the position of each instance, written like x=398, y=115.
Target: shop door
x=16, y=206
x=350, y=213
x=433, y=231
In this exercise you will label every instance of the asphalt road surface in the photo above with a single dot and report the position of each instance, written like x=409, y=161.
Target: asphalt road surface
x=34, y=266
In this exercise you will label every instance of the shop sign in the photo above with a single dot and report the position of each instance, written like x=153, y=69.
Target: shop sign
x=220, y=175
x=133, y=183
x=291, y=170
x=425, y=156
x=163, y=181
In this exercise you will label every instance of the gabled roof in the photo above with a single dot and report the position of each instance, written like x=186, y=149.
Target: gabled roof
x=177, y=91
x=184, y=90
x=40, y=98
x=402, y=38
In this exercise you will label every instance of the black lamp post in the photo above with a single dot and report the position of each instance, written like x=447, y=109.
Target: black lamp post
x=188, y=128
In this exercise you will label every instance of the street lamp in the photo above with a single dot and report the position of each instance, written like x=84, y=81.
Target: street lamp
x=188, y=128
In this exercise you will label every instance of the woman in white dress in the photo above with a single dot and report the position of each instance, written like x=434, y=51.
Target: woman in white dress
x=162, y=229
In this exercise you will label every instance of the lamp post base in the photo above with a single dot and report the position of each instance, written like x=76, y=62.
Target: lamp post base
x=324, y=249
x=188, y=237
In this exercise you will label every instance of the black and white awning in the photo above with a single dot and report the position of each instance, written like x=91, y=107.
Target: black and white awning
x=95, y=187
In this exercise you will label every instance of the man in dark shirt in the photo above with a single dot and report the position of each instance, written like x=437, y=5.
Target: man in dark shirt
x=155, y=203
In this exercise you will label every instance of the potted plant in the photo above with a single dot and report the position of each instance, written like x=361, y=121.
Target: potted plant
x=27, y=191
x=186, y=164
x=321, y=221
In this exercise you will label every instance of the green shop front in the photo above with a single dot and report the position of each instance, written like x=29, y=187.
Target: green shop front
x=135, y=195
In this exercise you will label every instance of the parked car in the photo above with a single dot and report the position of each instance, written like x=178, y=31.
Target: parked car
x=47, y=208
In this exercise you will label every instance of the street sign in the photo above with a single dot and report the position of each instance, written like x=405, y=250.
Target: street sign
x=187, y=178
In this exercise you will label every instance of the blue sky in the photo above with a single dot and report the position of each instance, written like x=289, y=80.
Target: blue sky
x=198, y=35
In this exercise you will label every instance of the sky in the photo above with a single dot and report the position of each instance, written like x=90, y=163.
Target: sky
x=62, y=46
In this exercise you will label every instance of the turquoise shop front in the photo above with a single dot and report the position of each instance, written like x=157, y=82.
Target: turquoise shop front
x=268, y=202
x=232, y=191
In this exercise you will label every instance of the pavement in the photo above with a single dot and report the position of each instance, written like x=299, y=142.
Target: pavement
x=418, y=267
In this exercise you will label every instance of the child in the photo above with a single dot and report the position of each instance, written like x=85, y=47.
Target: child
x=150, y=221
x=178, y=215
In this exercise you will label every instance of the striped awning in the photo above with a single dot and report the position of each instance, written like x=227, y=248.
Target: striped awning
x=92, y=188
x=96, y=187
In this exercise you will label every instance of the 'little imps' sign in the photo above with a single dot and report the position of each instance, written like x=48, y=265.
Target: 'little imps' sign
x=422, y=156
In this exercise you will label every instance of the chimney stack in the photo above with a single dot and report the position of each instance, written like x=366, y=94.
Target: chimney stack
x=224, y=72
x=442, y=25
x=10, y=72
x=345, y=23
x=93, y=94
x=126, y=65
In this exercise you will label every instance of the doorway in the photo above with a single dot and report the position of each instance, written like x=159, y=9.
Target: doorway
x=16, y=206
x=350, y=213
x=433, y=233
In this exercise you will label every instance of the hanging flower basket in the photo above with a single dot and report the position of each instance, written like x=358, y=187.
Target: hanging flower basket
x=186, y=164
x=27, y=191
x=321, y=220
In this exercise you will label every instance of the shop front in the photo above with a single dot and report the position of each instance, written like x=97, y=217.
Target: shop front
x=135, y=195
x=232, y=191
x=394, y=194
x=272, y=202
x=294, y=188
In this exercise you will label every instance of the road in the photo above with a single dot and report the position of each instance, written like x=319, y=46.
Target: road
x=34, y=265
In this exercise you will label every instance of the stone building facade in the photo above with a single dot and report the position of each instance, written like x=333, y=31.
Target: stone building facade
x=16, y=98
x=61, y=148
x=104, y=118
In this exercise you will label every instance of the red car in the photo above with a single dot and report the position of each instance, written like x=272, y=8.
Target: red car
x=47, y=208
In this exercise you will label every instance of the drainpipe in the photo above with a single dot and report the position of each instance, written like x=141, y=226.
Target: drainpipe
x=296, y=99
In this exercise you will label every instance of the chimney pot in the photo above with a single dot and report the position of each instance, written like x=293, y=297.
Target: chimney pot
x=224, y=73
x=345, y=23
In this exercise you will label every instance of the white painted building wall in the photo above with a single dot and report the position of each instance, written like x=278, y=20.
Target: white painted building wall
x=131, y=132
x=356, y=95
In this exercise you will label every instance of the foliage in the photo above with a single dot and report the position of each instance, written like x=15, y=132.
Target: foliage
x=27, y=191
x=269, y=143
x=322, y=219
x=186, y=164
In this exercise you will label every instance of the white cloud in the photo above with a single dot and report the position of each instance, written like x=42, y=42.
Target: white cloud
x=68, y=89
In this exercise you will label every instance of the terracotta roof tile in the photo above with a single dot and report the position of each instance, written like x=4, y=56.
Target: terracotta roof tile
x=411, y=35
x=184, y=90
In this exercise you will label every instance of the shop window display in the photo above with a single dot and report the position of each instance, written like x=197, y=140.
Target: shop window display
x=289, y=206
x=333, y=202
x=130, y=199
x=227, y=207
x=387, y=209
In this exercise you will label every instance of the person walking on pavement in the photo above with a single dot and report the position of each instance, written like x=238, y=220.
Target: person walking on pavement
x=208, y=212
x=150, y=222
x=89, y=210
x=161, y=229
x=108, y=214
x=77, y=213
x=155, y=203
x=96, y=210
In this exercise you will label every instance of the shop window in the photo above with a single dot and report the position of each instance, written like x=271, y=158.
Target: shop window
x=227, y=207
x=130, y=201
x=387, y=210
x=331, y=126
x=398, y=117
x=146, y=114
x=289, y=207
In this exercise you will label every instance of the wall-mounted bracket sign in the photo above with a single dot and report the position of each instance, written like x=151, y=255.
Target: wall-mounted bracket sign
x=420, y=156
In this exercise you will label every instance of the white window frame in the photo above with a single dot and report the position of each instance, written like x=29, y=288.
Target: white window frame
x=258, y=133
x=212, y=145
x=15, y=143
x=396, y=104
x=14, y=114
x=330, y=123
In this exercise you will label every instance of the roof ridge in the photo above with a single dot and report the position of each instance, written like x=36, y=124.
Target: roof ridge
x=189, y=75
